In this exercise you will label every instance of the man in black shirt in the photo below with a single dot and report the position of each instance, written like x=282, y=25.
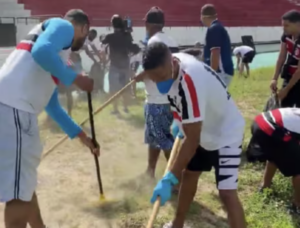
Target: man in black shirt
x=120, y=46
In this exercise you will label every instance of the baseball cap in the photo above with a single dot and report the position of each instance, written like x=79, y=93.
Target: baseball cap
x=155, y=16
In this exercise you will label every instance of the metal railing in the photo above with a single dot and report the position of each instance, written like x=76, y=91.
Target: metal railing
x=28, y=20
x=134, y=18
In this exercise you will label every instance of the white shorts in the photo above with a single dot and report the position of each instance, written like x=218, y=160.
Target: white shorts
x=225, y=161
x=20, y=154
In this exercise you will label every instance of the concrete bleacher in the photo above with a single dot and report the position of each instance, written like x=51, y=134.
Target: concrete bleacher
x=259, y=18
x=178, y=12
x=11, y=8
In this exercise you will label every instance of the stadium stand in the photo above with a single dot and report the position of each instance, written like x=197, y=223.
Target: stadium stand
x=11, y=8
x=178, y=13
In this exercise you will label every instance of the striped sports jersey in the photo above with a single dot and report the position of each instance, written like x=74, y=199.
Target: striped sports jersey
x=198, y=94
x=283, y=123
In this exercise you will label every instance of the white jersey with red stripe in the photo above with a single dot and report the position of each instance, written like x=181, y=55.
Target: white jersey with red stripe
x=285, y=118
x=24, y=85
x=199, y=95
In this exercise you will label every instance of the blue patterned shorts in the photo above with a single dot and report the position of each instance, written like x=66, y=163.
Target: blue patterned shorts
x=158, y=119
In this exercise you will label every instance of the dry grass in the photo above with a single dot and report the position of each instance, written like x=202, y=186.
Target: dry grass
x=68, y=191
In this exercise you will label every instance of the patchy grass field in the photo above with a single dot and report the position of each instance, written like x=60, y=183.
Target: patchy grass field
x=68, y=190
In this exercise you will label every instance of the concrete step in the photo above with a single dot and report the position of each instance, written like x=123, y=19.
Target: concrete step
x=14, y=13
x=9, y=1
x=11, y=6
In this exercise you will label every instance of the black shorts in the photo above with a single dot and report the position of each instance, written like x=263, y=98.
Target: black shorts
x=226, y=162
x=248, y=57
x=292, y=99
x=285, y=155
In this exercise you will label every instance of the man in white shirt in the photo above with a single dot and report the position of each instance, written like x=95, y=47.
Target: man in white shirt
x=158, y=116
x=28, y=85
x=97, y=71
x=277, y=133
x=212, y=126
x=246, y=54
x=135, y=62
x=75, y=56
x=76, y=63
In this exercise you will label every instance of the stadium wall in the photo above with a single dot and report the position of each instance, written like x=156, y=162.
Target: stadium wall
x=266, y=38
x=186, y=36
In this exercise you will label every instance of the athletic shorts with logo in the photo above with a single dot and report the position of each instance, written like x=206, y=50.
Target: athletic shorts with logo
x=225, y=161
x=20, y=154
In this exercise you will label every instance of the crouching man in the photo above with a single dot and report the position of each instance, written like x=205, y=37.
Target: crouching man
x=277, y=132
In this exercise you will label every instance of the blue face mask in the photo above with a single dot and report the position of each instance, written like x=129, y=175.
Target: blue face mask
x=165, y=86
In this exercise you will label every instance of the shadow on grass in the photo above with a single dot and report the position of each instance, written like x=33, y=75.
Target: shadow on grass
x=255, y=165
x=139, y=185
x=200, y=213
x=137, y=200
x=296, y=221
x=135, y=119
x=113, y=209
x=136, y=113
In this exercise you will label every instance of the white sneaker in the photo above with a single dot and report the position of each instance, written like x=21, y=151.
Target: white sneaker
x=170, y=225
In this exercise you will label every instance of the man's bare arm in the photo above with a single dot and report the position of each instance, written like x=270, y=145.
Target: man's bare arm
x=215, y=58
x=89, y=54
x=140, y=77
x=238, y=60
x=280, y=61
x=97, y=52
x=188, y=147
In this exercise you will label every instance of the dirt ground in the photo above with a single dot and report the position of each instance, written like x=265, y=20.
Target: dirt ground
x=68, y=190
x=67, y=184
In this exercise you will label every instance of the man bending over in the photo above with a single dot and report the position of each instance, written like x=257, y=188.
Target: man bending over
x=28, y=85
x=212, y=127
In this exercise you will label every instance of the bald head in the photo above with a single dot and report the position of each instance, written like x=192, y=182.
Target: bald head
x=208, y=10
